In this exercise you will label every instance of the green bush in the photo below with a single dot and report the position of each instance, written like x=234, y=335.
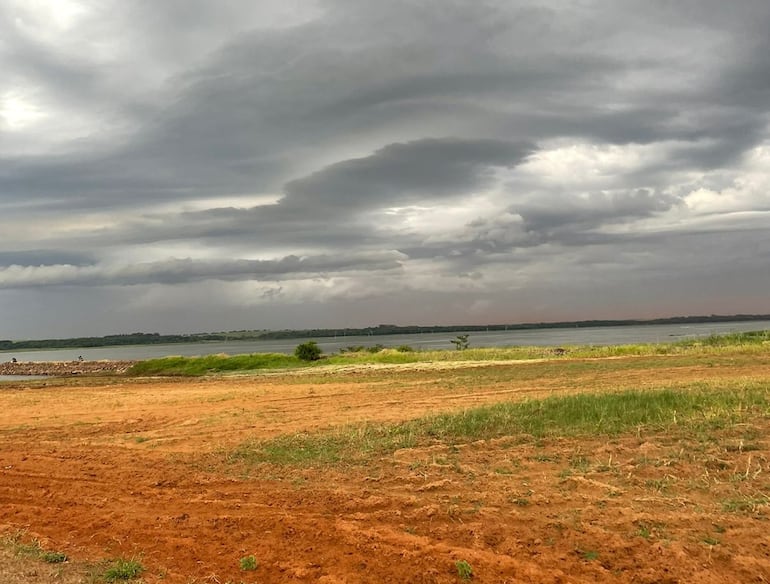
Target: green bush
x=309, y=351
x=248, y=563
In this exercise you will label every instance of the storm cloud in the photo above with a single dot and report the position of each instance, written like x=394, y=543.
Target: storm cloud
x=337, y=163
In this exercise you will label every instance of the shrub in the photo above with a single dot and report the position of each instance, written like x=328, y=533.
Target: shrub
x=461, y=342
x=309, y=351
x=353, y=349
x=248, y=563
x=404, y=349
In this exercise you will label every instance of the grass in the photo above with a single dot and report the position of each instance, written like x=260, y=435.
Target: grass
x=25, y=561
x=122, y=570
x=53, y=557
x=213, y=364
x=31, y=549
x=745, y=504
x=464, y=570
x=699, y=407
x=196, y=366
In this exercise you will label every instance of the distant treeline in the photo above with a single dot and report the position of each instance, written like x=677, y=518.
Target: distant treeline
x=109, y=341
x=392, y=329
x=382, y=329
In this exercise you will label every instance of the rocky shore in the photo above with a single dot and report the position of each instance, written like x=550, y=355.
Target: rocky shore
x=63, y=368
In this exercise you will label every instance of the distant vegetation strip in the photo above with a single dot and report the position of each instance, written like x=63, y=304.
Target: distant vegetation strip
x=217, y=364
x=701, y=407
x=209, y=364
x=382, y=329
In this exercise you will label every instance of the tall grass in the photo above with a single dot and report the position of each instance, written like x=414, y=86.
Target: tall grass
x=700, y=405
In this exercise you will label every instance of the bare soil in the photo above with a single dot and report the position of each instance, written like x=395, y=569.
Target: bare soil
x=137, y=468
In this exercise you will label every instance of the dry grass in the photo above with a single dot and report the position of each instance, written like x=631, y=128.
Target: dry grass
x=21, y=569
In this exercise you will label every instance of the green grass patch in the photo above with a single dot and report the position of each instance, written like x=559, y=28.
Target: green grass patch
x=196, y=366
x=122, y=570
x=699, y=407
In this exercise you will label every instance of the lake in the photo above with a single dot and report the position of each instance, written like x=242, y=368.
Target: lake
x=616, y=335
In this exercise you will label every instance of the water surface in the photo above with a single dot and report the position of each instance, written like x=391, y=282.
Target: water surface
x=616, y=335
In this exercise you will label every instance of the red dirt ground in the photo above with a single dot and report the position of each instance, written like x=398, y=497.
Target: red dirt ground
x=134, y=468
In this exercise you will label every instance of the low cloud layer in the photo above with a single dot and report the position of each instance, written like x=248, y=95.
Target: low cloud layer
x=292, y=164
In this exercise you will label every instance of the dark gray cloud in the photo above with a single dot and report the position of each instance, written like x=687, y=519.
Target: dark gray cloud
x=44, y=257
x=178, y=271
x=410, y=173
x=447, y=150
x=548, y=213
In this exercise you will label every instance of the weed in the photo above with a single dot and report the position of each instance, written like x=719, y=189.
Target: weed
x=53, y=557
x=744, y=504
x=589, y=555
x=32, y=549
x=708, y=540
x=248, y=563
x=659, y=485
x=464, y=570
x=579, y=463
x=122, y=570
x=417, y=465
x=545, y=458
x=742, y=447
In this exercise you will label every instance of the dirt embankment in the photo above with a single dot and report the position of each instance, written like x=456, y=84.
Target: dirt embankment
x=62, y=368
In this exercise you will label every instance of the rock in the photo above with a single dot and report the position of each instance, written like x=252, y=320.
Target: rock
x=64, y=368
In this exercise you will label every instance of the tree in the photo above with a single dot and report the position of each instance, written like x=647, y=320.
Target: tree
x=309, y=351
x=461, y=342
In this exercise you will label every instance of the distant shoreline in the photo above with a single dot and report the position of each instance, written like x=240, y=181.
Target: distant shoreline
x=381, y=329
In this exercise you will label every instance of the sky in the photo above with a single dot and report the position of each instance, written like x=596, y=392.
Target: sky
x=190, y=165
